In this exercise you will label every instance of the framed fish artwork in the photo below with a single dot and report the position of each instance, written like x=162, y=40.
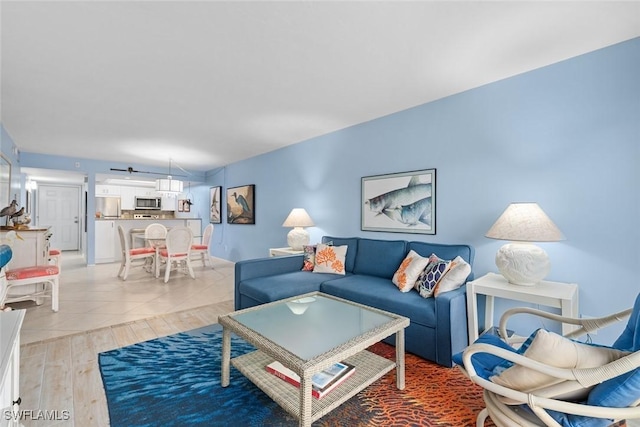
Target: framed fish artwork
x=400, y=202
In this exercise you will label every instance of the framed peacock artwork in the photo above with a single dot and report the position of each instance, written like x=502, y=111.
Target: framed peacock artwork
x=241, y=207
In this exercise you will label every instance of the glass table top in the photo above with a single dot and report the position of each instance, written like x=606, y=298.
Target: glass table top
x=313, y=325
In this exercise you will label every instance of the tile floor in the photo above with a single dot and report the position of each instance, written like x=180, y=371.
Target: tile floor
x=92, y=297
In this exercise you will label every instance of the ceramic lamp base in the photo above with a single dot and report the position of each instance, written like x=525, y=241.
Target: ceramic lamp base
x=523, y=263
x=297, y=238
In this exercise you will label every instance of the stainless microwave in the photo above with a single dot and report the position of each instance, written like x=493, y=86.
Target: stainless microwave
x=148, y=203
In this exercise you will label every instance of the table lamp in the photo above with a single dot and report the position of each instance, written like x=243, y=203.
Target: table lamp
x=520, y=261
x=298, y=237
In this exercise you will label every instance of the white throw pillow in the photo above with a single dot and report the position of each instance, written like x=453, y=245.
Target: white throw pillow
x=409, y=270
x=455, y=277
x=330, y=259
x=554, y=350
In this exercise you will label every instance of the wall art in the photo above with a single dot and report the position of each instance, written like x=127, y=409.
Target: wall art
x=400, y=202
x=241, y=205
x=215, y=205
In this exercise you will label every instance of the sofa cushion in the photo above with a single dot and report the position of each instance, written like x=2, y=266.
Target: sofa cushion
x=379, y=258
x=380, y=293
x=352, y=249
x=271, y=288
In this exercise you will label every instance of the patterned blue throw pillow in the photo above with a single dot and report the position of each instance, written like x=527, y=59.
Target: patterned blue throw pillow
x=428, y=279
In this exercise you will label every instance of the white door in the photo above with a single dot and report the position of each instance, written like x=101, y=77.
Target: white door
x=59, y=208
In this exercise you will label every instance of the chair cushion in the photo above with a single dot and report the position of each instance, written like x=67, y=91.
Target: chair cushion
x=618, y=392
x=199, y=247
x=165, y=253
x=141, y=251
x=630, y=338
x=485, y=363
x=30, y=272
x=54, y=252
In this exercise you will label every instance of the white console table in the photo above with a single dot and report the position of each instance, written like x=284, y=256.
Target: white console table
x=284, y=251
x=10, y=324
x=551, y=294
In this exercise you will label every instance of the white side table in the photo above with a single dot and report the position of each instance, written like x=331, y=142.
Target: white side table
x=551, y=294
x=284, y=251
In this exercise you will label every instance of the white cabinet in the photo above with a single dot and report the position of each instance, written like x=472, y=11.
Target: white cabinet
x=127, y=198
x=146, y=192
x=32, y=248
x=107, y=190
x=105, y=242
x=169, y=203
x=196, y=228
x=10, y=324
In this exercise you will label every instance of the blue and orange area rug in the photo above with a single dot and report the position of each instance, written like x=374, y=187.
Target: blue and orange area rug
x=175, y=381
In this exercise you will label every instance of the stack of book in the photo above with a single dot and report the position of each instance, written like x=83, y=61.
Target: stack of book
x=322, y=382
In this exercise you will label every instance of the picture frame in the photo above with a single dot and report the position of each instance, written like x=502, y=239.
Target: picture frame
x=184, y=205
x=215, y=205
x=400, y=202
x=241, y=205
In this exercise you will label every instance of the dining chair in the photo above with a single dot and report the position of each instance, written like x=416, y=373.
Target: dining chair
x=147, y=254
x=557, y=381
x=203, y=248
x=177, y=252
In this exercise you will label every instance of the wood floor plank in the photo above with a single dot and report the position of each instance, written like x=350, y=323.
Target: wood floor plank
x=143, y=331
x=31, y=373
x=89, y=402
x=161, y=327
x=124, y=335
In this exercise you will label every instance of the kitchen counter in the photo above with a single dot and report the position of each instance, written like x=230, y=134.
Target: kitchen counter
x=108, y=242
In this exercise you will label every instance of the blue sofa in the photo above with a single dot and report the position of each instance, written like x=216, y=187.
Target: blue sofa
x=438, y=326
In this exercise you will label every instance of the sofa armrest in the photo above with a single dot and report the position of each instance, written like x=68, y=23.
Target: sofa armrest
x=261, y=267
x=451, y=315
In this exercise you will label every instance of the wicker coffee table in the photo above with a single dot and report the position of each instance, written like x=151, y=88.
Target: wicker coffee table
x=307, y=338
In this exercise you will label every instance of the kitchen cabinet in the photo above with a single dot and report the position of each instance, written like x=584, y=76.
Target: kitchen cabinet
x=128, y=198
x=103, y=190
x=169, y=203
x=105, y=242
x=146, y=192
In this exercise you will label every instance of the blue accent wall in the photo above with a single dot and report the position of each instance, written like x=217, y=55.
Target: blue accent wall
x=566, y=136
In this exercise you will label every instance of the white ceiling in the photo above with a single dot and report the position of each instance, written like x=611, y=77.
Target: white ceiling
x=209, y=83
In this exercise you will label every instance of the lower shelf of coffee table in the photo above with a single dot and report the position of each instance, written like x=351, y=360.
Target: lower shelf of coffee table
x=369, y=368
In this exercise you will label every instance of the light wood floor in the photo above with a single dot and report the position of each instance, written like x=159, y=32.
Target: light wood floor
x=59, y=375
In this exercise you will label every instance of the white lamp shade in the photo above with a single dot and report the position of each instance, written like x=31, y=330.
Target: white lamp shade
x=298, y=237
x=520, y=262
x=298, y=217
x=524, y=222
x=168, y=185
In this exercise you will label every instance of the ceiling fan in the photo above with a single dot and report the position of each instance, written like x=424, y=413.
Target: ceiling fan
x=132, y=170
